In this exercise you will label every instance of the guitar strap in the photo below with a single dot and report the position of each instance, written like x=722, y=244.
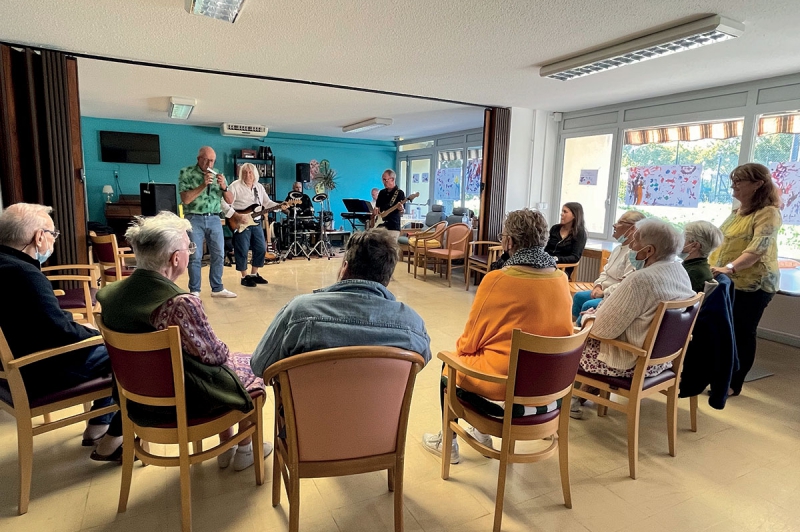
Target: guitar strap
x=394, y=197
x=256, y=219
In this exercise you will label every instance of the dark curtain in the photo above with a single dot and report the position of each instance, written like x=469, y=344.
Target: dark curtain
x=496, y=135
x=40, y=142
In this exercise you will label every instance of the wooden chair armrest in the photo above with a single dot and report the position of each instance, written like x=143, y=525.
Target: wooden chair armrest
x=87, y=267
x=483, y=243
x=127, y=255
x=60, y=277
x=58, y=293
x=625, y=346
x=49, y=353
x=451, y=360
x=565, y=265
x=124, y=249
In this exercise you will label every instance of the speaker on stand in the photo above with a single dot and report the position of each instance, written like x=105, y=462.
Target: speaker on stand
x=157, y=197
x=303, y=172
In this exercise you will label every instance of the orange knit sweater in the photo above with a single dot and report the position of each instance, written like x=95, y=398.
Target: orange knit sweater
x=508, y=299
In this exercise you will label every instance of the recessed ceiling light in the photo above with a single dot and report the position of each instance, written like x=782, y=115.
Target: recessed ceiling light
x=226, y=10
x=695, y=34
x=181, y=108
x=366, y=125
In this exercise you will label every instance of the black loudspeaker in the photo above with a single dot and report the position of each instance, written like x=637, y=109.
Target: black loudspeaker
x=303, y=172
x=157, y=197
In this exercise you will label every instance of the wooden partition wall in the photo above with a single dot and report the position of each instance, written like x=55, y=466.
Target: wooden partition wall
x=496, y=136
x=40, y=142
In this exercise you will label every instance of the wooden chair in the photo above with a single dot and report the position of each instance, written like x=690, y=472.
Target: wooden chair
x=80, y=301
x=666, y=341
x=540, y=370
x=573, y=276
x=580, y=286
x=341, y=411
x=148, y=369
x=14, y=399
x=479, y=262
x=429, y=239
x=456, y=238
x=111, y=258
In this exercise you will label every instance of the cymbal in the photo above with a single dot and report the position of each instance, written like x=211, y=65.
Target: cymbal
x=295, y=194
x=319, y=198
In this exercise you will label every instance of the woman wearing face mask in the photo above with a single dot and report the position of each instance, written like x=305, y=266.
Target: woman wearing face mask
x=749, y=256
x=617, y=267
x=568, y=238
x=626, y=314
x=701, y=238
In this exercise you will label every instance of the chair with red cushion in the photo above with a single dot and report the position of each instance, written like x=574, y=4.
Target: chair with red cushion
x=81, y=301
x=482, y=253
x=541, y=370
x=666, y=341
x=148, y=369
x=341, y=411
x=15, y=400
x=111, y=258
x=456, y=239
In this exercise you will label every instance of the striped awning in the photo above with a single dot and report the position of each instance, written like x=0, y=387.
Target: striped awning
x=769, y=125
x=451, y=155
x=708, y=130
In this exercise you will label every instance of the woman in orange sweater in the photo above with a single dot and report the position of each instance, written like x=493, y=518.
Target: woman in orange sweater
x=528, y=293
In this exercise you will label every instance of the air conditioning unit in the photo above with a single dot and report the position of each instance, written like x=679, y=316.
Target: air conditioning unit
x=243, y=130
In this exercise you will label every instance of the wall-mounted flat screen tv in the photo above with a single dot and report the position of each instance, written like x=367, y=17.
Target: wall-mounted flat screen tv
x=119, y=147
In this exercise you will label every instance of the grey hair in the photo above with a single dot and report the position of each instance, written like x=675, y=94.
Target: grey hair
x=391, y=173
x=633, y=216
x=20, y=221
x=666, y=240
x=154, y=239
x=704, y=233
x=252, y=167
x=371, y=255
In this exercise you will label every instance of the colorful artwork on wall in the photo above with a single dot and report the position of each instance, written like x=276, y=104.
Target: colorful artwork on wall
x=588, y=177
x=474, y=169
x=425, y=177
x=787, y=178
x=664, y=186
x=447, y=184
x=415, y=178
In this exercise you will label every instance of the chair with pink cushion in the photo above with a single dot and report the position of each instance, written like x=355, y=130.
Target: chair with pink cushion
x=456, y=238
x=111, y=258
x=341, y=411
x=541, y=371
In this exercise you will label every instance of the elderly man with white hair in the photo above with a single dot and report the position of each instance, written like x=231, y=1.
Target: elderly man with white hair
x=627, y=313
x=701, y=239
x=32, y=320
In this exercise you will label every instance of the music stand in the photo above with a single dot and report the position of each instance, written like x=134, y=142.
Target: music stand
x=358, y=213
x=296, y=249
x=323, y=243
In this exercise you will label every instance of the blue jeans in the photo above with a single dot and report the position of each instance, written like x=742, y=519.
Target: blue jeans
x=581, y=302
x=206, y=228
x=97, y=365
x=251, y=238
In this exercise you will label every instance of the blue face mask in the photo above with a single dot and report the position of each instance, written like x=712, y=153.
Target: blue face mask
x=622, y=239
x=42, y=257
x=637, y=264
x=682, y=255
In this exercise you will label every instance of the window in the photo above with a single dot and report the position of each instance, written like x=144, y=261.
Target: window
x=416, y=146
x=585, y=178
x=472, y=181
x=447, y=185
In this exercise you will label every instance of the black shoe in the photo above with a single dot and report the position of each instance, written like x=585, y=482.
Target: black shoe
x=248, y=282
x=258, y=279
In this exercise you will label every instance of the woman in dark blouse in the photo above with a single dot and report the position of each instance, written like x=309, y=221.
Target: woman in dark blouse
x=568, y=238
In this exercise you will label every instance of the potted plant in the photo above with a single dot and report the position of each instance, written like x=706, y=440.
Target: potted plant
x=325, y=181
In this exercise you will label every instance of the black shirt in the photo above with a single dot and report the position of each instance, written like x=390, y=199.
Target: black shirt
x=385, y=201
x=304, y=209
x=567, y=250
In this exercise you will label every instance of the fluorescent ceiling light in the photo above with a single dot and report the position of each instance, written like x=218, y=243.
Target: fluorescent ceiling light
x=366, y=125
x=695, y=34
x=226, y=10
x=181, y=108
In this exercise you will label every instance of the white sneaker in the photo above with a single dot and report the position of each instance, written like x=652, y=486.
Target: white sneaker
x=433, y=443
x=224, y=460
x=575, y=408
x=223, y=293
x=244, y=455
x=479, y=436
x=196, y=294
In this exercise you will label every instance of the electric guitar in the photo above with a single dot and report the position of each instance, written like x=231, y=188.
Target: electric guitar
x=256, y=209
x=379, y=219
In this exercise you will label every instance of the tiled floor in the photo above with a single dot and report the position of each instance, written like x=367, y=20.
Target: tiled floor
x=740, y=471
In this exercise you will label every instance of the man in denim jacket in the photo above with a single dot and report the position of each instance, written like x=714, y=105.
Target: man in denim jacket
x=357, y=310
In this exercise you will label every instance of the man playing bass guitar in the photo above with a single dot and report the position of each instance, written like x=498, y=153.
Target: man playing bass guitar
x=387, y=198
x=247, y=191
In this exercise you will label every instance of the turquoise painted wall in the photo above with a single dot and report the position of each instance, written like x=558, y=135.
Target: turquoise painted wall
x=359, y=163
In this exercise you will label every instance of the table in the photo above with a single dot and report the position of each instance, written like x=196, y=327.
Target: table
x=790, y=282
x=342, y=236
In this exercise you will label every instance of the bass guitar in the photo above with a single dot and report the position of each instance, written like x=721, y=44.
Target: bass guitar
x=379, y=219
x=257, y=210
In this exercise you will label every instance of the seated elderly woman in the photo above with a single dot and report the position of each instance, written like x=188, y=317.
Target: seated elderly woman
x=617, y=267
x=627, y=313
x=149, y=300
x=528, y=293
x=701, y=238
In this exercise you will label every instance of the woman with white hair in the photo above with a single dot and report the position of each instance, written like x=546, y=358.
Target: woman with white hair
x=627, y=313
x=149, y=300
x=701, y=238
x=247, y=191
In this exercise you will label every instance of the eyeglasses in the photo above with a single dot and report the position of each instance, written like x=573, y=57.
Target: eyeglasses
x=191, y=249
x=55, y=233
x=622, y=222
x=739, y=180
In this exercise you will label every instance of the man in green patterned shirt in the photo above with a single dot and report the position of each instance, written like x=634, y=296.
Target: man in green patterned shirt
x=201, y=188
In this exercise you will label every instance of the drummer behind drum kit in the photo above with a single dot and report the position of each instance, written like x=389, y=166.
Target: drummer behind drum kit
x=299, y=229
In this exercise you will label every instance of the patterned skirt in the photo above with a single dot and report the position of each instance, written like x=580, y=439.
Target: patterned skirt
x=591, y=364
x=240, y=364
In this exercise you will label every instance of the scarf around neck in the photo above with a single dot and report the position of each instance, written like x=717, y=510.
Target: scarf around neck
x=534, y=257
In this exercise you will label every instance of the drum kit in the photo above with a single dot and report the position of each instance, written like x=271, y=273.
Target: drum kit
x=300, y=232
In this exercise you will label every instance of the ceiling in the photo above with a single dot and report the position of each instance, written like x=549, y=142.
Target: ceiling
x=464, y=50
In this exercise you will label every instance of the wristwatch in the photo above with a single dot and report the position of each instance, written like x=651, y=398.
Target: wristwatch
x=730, y=267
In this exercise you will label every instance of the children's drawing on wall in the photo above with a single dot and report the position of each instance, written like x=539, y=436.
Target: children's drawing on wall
x=447, y=184
x=474, y=168
x=787, y=178
x=588, y=177
x=425, y=177
x=664, y=186
x=415, y=178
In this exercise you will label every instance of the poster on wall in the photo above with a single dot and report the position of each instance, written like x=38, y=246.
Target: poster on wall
x=447, y=184
x=588, y=177
x=415, y=178
x=425, y=177
x=664, y=186
x=787, y=179
x=474, y=168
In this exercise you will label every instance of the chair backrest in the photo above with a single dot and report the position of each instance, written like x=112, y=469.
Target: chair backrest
x=434, y=216
x=671, y=329
x=148, y=367
x=454, y=219
x=457, y=237
x=347, y=402
x=460, y=211
x=543, y=368
x=105, y=249
x=438, y=208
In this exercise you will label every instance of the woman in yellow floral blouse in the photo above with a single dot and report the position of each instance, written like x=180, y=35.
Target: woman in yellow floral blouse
x=749, y=256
